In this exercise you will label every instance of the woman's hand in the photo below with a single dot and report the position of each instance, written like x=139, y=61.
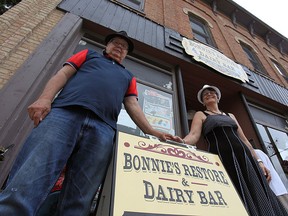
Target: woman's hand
x=178, y=139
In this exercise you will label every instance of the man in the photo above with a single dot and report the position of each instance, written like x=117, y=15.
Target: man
x=75, y=129
x=276, y=183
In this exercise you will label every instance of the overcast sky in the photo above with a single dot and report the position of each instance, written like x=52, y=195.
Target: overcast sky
x=273, y=13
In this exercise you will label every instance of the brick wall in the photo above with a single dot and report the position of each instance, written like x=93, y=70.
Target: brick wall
x=22, y=29
x=171, y=13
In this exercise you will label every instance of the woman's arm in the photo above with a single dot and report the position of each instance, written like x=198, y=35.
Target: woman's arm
x=195, y=130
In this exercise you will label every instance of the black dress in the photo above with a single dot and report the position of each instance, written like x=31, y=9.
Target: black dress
x=220, y=131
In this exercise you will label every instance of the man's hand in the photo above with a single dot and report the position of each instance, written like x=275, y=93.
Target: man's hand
x=165, y=136
x=178, y=139
x=266, y=172
x=39, y=110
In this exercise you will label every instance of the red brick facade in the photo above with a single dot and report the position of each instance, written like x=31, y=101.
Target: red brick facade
x=174, y=14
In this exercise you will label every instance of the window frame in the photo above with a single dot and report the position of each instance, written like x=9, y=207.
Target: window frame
x=253, y=58
x=132, y=4
x=266, y=120
x=280, y=69
x=194, y=20
x=8, y=5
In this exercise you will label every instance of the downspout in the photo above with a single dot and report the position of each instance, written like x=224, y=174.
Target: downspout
x=182, y=103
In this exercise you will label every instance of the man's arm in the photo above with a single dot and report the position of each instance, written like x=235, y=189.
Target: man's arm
x=42, y=106
x=135, y=112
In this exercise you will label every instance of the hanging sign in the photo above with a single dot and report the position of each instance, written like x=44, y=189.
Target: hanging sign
x=156, y=178
x=214, y=59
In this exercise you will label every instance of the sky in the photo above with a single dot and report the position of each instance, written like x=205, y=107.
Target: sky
x=273, y=13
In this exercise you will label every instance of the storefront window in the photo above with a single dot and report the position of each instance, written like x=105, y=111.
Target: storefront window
x=276, y=143
x=281, y=142
x=157, y=107
x=267, y=142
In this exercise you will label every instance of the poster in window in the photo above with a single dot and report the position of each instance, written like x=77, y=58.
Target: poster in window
x=158, y=110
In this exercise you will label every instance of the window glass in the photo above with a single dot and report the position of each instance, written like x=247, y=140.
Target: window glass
x=200, y=30
x=6, y=5
x=157, y=107
x=281, y=142
x=84, y=44
x=276, y=143
x=253, y=58
x=149, y=74
x=201, y=39
x=135, y=4
x=266, y=140
x=272, y=128
x=280, y=69
x=198, y=27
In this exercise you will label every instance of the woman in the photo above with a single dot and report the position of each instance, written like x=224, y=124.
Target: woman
x=226, y=139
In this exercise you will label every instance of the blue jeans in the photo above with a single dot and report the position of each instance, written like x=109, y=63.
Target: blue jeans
x=74, y=137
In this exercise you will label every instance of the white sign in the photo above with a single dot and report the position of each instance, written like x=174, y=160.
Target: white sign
x=155, y=178
x=214, y=59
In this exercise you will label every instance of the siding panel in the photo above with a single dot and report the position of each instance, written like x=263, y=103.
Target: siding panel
x=160, y=37
x=69, y=4
x=148, y=32
x=90, y=10
x=270, y=89
x=100, y=12
x=109, y=16
x=132, y=28
x=140, y=30
x=118, y=18
x=80, y=6
x=154, y=36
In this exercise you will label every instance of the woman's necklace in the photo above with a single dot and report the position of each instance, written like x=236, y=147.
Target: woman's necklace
x=215, y=112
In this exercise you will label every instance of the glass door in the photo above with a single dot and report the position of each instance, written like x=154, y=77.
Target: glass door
x=276, y=144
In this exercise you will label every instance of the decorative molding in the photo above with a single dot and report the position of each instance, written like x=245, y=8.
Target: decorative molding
x=234, y=18
x=280, y=46
x=239, y=40
x=187, y=11
x=214, y=7
x=173, y=40
x=267, y=38
x=173, y=151
x=251, y=29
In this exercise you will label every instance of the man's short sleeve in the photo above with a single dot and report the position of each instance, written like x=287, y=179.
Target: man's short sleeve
x=77, y=59
x=132, y=90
